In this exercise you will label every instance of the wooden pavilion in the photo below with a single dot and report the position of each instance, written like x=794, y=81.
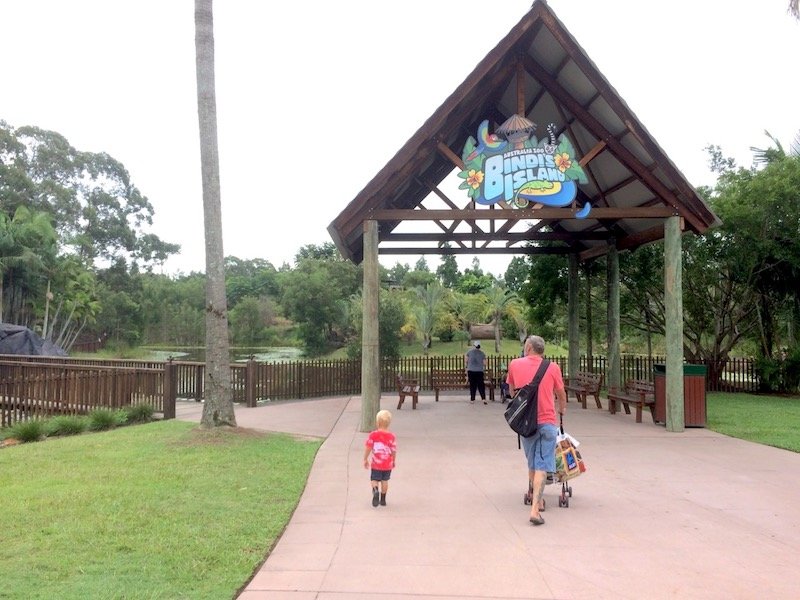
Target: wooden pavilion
x=632, y=191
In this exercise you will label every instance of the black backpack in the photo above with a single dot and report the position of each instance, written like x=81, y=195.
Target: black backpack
x=523, y=409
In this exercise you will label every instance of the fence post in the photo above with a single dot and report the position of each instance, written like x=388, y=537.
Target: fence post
x=250, y=383
x=199, y=375
x=170, y=390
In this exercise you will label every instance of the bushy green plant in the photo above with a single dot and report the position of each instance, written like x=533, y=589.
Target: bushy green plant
x=103, y=418
x=139, y=413
x=781, y=374
x=66, y=425
x=28, y=431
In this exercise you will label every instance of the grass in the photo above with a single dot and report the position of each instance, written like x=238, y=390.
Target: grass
x=770, y=420
x=162, y=510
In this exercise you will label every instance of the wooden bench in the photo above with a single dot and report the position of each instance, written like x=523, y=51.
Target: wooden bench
x=407, y=387
x=456, y=379
x=584, y=384
x=638, y=392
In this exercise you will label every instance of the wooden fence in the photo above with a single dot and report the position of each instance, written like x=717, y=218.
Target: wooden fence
x=37, y=386
x=42, y=389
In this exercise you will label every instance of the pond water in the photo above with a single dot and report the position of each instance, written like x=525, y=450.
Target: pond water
x=272, y=354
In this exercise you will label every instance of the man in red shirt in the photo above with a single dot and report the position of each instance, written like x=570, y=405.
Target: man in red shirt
x=540, y=448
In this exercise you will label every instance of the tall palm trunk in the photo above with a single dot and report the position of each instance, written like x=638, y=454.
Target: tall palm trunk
x=218, y=408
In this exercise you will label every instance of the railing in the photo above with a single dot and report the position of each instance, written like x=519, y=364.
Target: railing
x=32, y=390
x=34, y=386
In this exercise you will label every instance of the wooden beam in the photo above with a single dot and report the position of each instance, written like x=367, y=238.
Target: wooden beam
x=527, y=250
x=654, y=212
x=593, y=124
x=628, y=242
x=445, y=151
x=598, y=148
x=510, y=238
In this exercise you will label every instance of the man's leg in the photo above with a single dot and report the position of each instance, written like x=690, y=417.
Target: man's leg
x=537, y=482
x=473, y=385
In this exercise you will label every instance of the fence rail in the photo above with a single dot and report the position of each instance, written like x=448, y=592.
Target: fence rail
x=38, y=386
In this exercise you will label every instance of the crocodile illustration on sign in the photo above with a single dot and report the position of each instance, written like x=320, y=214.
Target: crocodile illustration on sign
x=513, y=166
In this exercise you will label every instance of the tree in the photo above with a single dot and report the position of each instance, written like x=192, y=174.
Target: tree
x=218, y=407
x=516, y=273
x=315, y=295
x=430, y=303
x=95, y=208
x=391, y=317
x=545, y=293
x=325, y=251
x=27, y=247
x=501, y=302
x=447, y=271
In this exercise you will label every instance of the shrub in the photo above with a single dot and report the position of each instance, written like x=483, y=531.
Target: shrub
x=28, y=431
x=66, y=425
x=139, y=413
x=102, y=419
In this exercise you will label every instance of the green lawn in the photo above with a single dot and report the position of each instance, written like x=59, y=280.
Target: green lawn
x=163, y=510
x=770, y=420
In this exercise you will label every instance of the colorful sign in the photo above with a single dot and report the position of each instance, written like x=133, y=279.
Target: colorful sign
x=520, y=169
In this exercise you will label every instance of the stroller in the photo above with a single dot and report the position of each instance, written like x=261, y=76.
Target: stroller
x=569, y=465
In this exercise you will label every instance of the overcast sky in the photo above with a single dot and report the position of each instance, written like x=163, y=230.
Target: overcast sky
x=357, y=78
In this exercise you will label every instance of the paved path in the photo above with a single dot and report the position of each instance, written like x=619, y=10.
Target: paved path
x=657, y=514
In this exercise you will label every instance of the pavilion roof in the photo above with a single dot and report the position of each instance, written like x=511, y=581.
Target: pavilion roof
x=537, y=70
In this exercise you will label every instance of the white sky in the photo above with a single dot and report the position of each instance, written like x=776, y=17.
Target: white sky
x=302, y=85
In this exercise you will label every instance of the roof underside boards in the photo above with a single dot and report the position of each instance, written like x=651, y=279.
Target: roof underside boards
x=540, y=71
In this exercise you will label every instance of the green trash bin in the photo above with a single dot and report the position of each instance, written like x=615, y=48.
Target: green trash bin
x=694, y=394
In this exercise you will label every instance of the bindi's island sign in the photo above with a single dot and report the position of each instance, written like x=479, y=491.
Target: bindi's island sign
x=513, y=166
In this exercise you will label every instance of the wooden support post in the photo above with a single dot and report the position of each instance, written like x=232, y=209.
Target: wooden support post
x=170, y=390
x=573, y=333
x=199, y=382
x=370, y=359
x=613, y=378
x=250, y=383
x=673, y=312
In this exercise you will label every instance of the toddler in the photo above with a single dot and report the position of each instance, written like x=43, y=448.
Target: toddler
x=381, y=444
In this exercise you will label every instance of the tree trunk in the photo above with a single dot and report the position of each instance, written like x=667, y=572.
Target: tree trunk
x=218, y=408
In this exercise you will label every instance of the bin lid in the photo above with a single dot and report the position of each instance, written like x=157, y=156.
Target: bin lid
x=661, y=369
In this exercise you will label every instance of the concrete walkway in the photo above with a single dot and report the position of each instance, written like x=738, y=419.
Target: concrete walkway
x=656, y=515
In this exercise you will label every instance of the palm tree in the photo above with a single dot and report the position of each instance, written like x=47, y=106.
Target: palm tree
x=501, y=302
x=218, y=408
x=27, y=241
x=431, y=298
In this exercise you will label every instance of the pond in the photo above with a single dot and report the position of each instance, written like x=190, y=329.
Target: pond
x=271, y=354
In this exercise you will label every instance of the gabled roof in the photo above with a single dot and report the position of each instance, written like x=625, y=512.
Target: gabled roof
x=538, y=70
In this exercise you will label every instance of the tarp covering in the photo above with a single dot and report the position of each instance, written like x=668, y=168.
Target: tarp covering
x=17, y=339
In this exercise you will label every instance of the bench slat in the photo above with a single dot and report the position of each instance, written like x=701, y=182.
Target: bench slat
x=583, y=384
x=638, y=392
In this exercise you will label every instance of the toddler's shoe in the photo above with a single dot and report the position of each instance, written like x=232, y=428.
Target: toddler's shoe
x=375, y=497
